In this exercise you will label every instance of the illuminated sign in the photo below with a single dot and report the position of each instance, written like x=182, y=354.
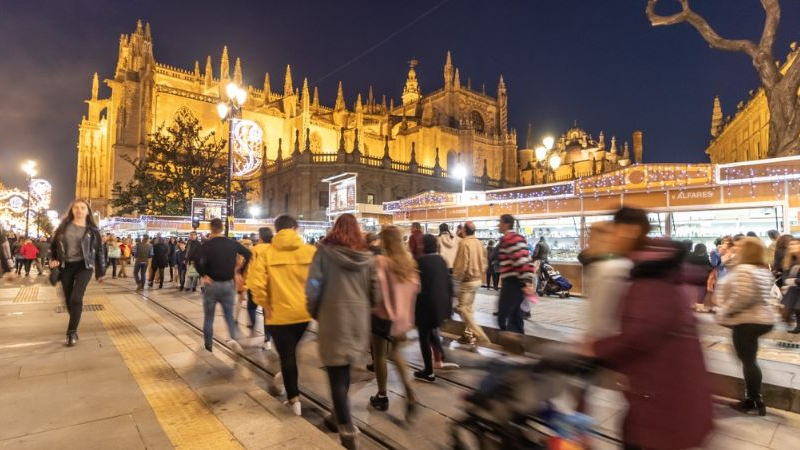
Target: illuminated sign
x=205, y=209
x=341, y=194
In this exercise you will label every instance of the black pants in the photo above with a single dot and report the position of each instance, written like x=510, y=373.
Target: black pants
x=509, y=313
x=745, y=341
x=339, y=377
x=427, y=337
x=160, y=270
x=28, y=263
x=171, y=276
x=492, y=279
x=113, y=262
x=182, y=275
x=74, y=279
x=286, y=339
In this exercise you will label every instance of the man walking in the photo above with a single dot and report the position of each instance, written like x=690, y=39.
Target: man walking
x=160, y=262
x=517, y=274
x=143, y=250
x=415, y=241
x=192, y=246
x=6, y=261
x=216, y=264
x=469, y=268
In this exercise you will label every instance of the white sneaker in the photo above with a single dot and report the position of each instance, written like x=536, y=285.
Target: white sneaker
x=267, y=345
x=278, y=388
x=449, y=365
x=295, y=407
x=235, y=346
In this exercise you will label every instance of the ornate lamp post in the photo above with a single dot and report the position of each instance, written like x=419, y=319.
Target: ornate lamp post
x=545, y=153
x=229, y=110
x=29, y=167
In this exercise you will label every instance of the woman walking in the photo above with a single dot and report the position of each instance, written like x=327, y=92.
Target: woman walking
x=744, y=306
x=342, y=289
x=791, y=285
x=392, y=318
x=113, y=254
x=433, y=304
x=77, y=250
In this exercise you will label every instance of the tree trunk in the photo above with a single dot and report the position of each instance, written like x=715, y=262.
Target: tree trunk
x=784, y=120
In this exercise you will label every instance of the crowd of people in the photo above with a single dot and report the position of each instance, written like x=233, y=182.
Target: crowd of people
x=367, y=291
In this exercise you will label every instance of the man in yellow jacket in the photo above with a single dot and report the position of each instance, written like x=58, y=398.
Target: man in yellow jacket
x=277, y=278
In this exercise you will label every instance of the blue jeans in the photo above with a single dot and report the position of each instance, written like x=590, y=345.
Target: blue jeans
x=140, y=273
x=223, y=292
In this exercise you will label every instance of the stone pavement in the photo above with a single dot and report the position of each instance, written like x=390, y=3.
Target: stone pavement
x=135, y=380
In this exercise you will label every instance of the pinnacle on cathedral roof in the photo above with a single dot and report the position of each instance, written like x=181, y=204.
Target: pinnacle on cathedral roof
x=287, y=81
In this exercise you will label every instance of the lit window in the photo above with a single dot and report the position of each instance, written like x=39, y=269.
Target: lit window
x=370, y=199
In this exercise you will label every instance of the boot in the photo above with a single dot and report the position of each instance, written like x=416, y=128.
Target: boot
x=72, y=338
x=749, y=405
x=349, y=435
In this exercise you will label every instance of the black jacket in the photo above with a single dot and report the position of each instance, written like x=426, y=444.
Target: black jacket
x=192, y=247
x=91, y=247
x=6, y=259
x=434, y=301
x=161, y=255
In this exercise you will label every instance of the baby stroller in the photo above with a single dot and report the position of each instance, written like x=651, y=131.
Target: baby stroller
x=512, y=408
x=551, y=282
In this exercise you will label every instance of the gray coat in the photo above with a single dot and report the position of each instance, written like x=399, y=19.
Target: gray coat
x=341, y=291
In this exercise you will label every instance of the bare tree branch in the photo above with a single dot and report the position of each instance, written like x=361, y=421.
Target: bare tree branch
x=773, y=11
x=702, y=27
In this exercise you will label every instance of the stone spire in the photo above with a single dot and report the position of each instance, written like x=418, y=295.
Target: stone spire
x=359, y=113
x=147, y=35
x=340, y=99
x=469, y=83
x=411, y=91
x=315, y=102
x=502, y=103
x=626, y=154
x=267, y=88
x=613, y=148
x=457, y=81
x=224, y=68
x=601, y=142
x=287, y=82
x=448, y=73
x=95, y=85
x=196, y=69
x=209, y=74
x=306, y=97
x=237, y=72
x=716, y=118
x=383, y=104
x=370, y=100
x=529, y=141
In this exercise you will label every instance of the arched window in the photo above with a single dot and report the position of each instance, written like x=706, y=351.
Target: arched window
x=476, y=120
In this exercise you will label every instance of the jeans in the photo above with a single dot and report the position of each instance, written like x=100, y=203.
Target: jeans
x=382, y=350
x=113, y=262
x=745, y=341
x=509, y=313
x=339, y=378
x=122, y=263
x=74, y=279
x=160, y=270
x=182, y=275
x=223, y=292
x=28, y=263
x=466, y=308
x=140, y=273
x=252, y=309
x=286, y=339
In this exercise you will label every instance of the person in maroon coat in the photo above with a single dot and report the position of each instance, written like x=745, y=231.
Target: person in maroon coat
x=658, y=348
x=415, y=245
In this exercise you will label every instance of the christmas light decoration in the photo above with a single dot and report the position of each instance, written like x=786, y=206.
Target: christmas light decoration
x=247, y=138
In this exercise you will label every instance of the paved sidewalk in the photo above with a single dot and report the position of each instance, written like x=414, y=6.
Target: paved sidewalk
x=135, y=380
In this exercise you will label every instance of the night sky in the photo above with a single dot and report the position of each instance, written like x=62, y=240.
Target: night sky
x=597, y=62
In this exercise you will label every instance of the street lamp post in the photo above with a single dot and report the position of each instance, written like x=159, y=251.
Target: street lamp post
x=546, y=153
x=460, y=171
x=29, y=167
x=229, y=110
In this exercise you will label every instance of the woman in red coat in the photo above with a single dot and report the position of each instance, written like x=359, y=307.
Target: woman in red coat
x=658, y=349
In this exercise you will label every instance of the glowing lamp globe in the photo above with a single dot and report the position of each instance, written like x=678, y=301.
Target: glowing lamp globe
x=241, y=96
x=541, y=153
x=548, y=142
x=231, y=89
x=222, y=110
x=460, y=171
x=555, y=162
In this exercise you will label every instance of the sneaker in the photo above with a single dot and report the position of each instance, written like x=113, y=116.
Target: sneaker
x=208, y=347
x=267, y=345
x=379, y=402
x=295, y=407
x=234, y=345
x=449, y=366
x=421, y=375
x=278, y=388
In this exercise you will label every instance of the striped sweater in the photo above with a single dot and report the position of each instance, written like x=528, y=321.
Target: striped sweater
x=514, y=258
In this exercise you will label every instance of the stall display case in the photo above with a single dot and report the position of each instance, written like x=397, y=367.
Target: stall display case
x=563, y=234
x=705, y=226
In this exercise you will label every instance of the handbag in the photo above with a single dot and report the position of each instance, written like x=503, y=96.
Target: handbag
x=191, y=271
x=55, y=276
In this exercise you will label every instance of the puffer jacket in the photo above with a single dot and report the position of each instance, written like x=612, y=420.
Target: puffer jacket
x=448, y=247
x=744, y=296
x=342, y=289
x=91, y=247
x=277, y=277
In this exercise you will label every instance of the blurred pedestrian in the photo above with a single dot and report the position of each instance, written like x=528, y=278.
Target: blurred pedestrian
x=433, y=305
x=773, y=238
x=744, y=306
x=159, y=262
x=173, y=247
x=697, y=270
x=77, y=251
x=143, y=253
x=216, y=263
x=192, y=247
x=469, y=267
x=180, y=264
x=657, y=347
x=374, y=243
x=392, y=318
x=448, y=245
x=791, y=285
x=113, y=254
x=126, y=249
x=256, y=284
x=342, y=290
x=415, y=240
x=29, y=253
x=780, y=251
x=517, y=274
x=43, y=245
x=6, y=258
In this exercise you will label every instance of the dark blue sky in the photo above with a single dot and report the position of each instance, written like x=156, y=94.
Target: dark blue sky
x=597, y=62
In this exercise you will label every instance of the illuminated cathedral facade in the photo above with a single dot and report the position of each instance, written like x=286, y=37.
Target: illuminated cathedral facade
x=397, y=149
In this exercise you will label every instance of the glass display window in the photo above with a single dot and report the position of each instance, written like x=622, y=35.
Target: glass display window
x=706, y=226
x=658, y=224
x=563, y=234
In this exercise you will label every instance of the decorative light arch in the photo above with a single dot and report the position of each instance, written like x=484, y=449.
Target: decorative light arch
x=247, y=140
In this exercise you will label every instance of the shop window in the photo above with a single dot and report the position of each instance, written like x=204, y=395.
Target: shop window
x=370, y=199
x=323, y=199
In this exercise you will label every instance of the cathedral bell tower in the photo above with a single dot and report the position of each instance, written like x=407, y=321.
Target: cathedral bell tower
x=411, y=92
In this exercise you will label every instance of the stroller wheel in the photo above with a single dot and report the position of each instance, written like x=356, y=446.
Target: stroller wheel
x=568, y=295
x=562, y=295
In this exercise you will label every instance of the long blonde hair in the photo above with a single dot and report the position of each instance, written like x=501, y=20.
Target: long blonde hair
x=401, y=263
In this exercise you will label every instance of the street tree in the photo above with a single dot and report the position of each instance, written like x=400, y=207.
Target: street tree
x=43, y=223
x=780, y=86
x=181, y=162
